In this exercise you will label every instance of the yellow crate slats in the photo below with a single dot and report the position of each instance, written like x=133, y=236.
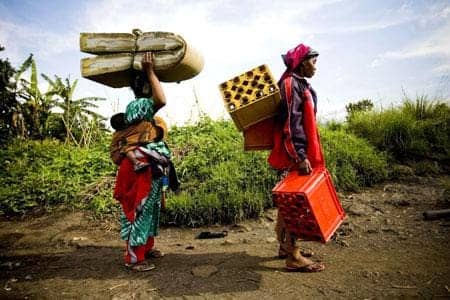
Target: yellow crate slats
x=251, y=97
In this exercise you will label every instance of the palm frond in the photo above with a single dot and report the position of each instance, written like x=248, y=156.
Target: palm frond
x=25, y=65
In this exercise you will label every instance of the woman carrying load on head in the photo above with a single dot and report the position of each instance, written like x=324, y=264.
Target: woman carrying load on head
x=296, y=143
x=139, y=185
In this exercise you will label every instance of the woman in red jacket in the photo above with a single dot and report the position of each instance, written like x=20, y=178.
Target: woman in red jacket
x=297, y=144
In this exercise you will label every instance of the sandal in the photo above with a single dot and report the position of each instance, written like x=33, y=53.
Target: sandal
x=140, y=267
x=140, y=166
x=311, y=268
x=155, y=253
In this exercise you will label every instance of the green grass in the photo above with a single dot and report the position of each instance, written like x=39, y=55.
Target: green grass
x=415, y=131
x=220, y=182
x=47, y=173
x=352, y=161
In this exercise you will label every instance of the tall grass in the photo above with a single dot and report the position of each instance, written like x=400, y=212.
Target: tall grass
x=48, y=173
x=416, y=130
x=352, y=161
x=220, y=182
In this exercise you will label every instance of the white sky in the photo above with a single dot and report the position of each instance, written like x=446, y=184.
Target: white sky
x=368, y=49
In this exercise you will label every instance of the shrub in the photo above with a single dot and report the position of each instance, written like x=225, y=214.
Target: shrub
x=46, y=173
x=414, y=131
x=220, y=182
x=352, y=161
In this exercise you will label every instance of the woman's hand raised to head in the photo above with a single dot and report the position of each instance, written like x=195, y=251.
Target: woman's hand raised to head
x=157, y=92
x=147, y=61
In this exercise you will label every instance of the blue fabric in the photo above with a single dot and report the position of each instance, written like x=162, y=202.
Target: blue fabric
x=139, y=109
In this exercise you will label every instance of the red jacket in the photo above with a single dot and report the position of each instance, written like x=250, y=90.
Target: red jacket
x=296, y=136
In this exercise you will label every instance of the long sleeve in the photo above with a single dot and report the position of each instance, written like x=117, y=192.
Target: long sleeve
x=293, y=114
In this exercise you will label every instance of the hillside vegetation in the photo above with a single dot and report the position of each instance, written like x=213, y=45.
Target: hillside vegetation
x=221, y=182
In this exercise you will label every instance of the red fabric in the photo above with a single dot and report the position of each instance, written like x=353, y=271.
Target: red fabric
x=284, y=155
x=139, y=251
x=279, y=157
x=293, y=58
x=313, y=149
x=131, y=187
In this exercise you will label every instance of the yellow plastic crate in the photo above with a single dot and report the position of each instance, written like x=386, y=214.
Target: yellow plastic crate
x=251, y=97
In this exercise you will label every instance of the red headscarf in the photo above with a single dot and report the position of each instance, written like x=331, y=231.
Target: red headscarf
x=295, y=56
x=283, y=154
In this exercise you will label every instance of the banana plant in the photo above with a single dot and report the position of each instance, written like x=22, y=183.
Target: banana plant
x=78, y=116
x=35, y=105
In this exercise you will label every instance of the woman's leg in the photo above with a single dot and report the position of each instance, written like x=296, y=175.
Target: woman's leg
x=283, y=237
x=289, y=249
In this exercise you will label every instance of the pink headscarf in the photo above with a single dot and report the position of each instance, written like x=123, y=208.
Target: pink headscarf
x=295, y=56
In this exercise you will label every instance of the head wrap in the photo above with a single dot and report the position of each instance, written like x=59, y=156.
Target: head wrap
x=295, y=56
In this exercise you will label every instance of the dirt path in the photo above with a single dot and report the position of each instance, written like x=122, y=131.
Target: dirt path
x=384, y=250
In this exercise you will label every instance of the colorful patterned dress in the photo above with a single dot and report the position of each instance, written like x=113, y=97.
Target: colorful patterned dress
x=139, y=193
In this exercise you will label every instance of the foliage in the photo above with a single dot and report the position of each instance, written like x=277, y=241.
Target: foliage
x=47, y=173
x=352, y=161
x=29, y=113
x=8, y=103
x=221, y=182
x=35, y=105
x=82, y=125
x=360, y=106
x=414, y=131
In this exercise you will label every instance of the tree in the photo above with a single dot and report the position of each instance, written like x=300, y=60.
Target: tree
x=82, y=125
x=10, y=116
x=36, y=106
x=360, y=106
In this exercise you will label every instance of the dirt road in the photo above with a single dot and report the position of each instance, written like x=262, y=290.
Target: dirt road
x=383, y=250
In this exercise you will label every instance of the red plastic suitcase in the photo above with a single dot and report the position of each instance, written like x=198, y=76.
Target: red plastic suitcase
x=309, y=205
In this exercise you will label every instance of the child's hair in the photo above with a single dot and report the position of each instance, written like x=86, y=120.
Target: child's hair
x=137, y=83
x=118, y=121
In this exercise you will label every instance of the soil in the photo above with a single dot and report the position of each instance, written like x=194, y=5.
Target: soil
x=383, y=250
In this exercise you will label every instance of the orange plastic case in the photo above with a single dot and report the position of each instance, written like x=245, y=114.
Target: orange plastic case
x=309, y=205
x=259, y=136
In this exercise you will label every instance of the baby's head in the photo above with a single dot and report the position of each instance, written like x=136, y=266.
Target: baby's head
x=118, y=122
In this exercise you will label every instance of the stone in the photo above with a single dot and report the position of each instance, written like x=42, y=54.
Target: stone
x=228, y=242
x=80, y=242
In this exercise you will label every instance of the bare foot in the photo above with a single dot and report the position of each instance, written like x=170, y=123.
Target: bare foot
x=303, y=264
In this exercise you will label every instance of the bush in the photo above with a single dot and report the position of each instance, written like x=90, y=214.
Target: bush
x=47, y=173
x=220, y=182
x=414, y=131
x=352, y=161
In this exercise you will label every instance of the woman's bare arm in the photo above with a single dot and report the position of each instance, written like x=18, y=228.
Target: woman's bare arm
x=157, y=91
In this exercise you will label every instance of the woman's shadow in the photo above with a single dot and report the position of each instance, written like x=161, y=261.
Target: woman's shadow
x=176, y=274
